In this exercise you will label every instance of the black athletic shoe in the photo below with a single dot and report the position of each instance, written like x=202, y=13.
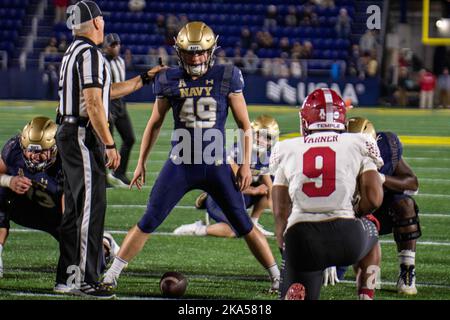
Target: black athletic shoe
x=122, y=178
x=95, y=291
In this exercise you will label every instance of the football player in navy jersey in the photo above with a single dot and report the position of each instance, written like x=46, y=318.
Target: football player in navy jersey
x=199, y=94
x=399, y=212
x=257, y=195
x=31, y=186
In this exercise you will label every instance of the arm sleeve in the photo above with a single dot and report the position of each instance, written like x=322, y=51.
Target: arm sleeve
x=91, y=68
x=237, y=81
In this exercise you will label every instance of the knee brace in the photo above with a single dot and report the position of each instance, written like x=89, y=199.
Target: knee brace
x=406, y=221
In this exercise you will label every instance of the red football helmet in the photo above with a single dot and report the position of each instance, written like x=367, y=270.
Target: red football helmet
x=323, y=109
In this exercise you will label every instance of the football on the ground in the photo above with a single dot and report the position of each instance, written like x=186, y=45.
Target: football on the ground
x=173, y=284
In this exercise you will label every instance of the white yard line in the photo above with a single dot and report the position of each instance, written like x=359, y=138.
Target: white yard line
x=170, y=234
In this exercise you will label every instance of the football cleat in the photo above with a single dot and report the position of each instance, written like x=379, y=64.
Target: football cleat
x=189, y=229
x=264, y=231
x=406, y=283
x=200, y=202
x=111, y=247
x=62, y=288
x=115, y=181
x=97, y=291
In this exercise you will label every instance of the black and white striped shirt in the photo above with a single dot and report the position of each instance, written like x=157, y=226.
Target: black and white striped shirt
x=83, y=66
x=117, y=67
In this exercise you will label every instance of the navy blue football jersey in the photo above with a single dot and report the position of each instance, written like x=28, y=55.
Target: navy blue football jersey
x=391, y=150
x=47, y=185
x=201, y=104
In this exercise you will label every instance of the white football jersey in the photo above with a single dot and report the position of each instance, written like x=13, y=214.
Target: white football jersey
x=321, y=171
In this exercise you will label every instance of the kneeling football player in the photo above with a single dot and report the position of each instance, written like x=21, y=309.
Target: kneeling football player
x=399, y=212
x=31, y=192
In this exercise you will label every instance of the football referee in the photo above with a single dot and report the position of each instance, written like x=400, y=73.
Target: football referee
x=83, y=138
x=119, y=116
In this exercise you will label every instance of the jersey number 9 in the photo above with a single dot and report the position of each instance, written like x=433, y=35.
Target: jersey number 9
x=312, y=170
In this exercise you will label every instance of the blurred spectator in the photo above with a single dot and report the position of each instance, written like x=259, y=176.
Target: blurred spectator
x=324, y=4
x=183, y=20
x=128, y=57
x=427, y=82
x=307, y=52
x=308, y=10
x=50, y=80
x=335, y=70
x=444, y=89
x=280, y=68
x=343, y=27
x=284, y=45
x=52, y=46
x=62, y=46
x=160, y=27
x=246, y=38
x=221, y=57
x=264, y=39
x=267, y=67
x=136, y=5
x=152, y=57
x=401, y=94
x=270, y=21
x=296, y=68
x=237, y=60
x=368, y=42
x=251, y=62
x=296, y=51
x=354, y=62
x=172, y=28
x=364, y=62
x=291, y=18
x=314, y=21
x=60, y=10
x=162, y=52
x=372, y=67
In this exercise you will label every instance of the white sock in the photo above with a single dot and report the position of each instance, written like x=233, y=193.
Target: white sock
x=116, y=267
x=1, y=249
x=201, y=230
x=255, y=221
x=274, y=272
x=407, y=257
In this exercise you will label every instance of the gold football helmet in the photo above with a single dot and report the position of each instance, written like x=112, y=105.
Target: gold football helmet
x=38, y=143
x=361, y=125
x=196, y=38
x=265, y=132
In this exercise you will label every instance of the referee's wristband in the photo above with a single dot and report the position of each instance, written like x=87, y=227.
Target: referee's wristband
x=382, y=177
x=110, y=146
x=146, y=78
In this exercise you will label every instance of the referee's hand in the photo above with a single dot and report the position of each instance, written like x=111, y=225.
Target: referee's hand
x=113, y=159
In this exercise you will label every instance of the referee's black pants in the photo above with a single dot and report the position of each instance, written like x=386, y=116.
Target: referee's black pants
x=81, y=230
x=121, y=120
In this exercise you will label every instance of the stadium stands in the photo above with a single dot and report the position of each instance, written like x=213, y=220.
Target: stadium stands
x=138, y=29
